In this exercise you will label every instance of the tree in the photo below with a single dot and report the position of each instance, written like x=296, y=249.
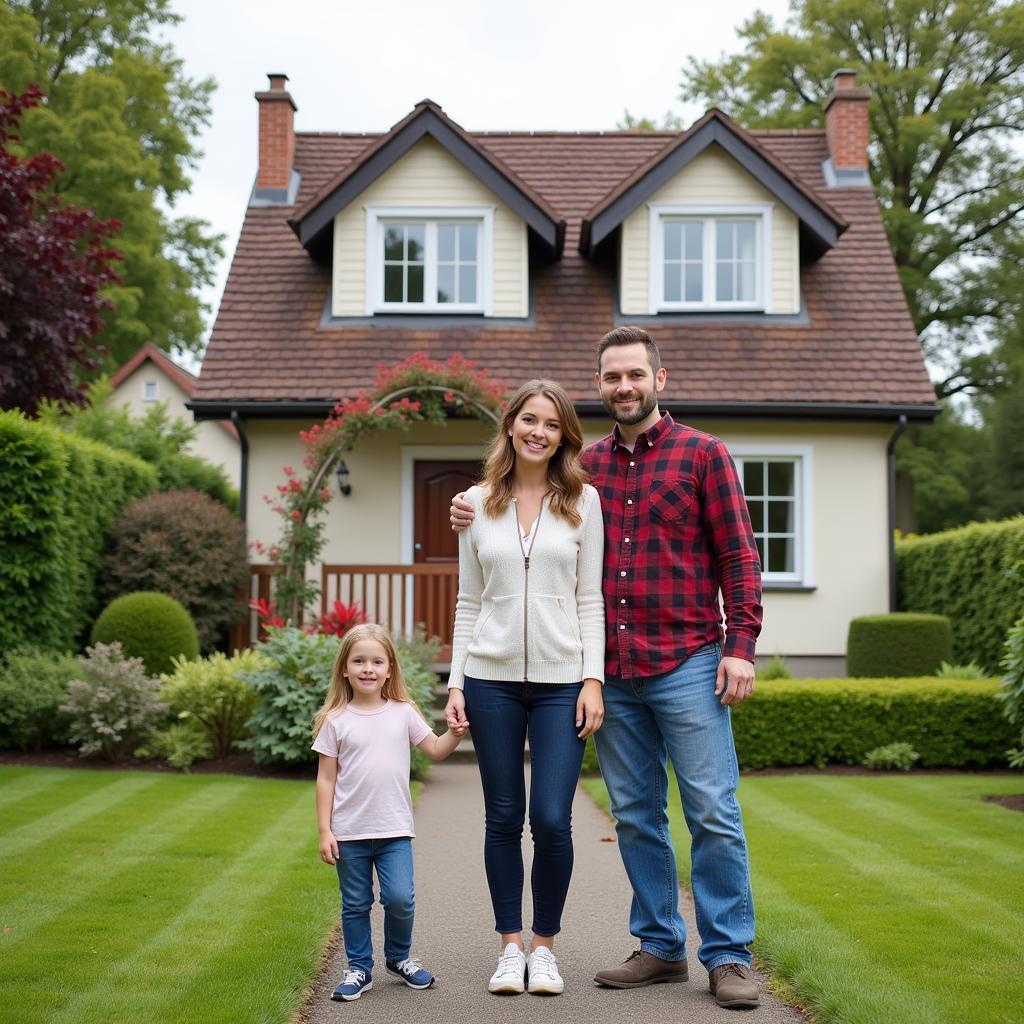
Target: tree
x=946, y=111
x=121, y=116
x=54, y=266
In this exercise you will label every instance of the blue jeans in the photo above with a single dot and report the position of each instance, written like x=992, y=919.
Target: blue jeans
x=393, y=860
x=501, y=716
x=677, y=716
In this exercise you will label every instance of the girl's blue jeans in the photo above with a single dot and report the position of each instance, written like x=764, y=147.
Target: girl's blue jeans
x=501, y=716
x=677, y=717
x=393, y=860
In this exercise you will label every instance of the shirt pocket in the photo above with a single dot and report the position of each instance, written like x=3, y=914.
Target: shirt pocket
x=671, y=500
x=553, y=634
x=497, y=633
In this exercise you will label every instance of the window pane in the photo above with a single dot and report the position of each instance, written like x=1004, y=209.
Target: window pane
x=446, y=242
x=780, y=516
x=672, y=282
x=745, y=234
x=780, y=555
x=694, y=241
x=753, y=478
x=446, y=283
x=723, y=286
x=694, y=282
x=781, y=479
x=756, y=510
x=759, y=541
x=467, y=243
x=673, y=240
x=415, y=235
x=723, y=239
x=393, y=284
x=467, y=283
x=747, y=289
x=393, y=238
x=415, y=293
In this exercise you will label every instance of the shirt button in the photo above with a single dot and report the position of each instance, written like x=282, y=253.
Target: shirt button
x=632, y=463
x=622, y=627
x=650, y=444
x=629, y=501
x=623, y=573
x=626, y=541
x=622, y=600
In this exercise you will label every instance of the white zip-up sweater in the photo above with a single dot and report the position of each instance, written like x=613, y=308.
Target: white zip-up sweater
x=545, y=625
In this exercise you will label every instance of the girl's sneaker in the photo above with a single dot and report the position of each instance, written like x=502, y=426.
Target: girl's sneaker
x=511, y=973
x=543, y=969
x=411, y=972
x=355, y=984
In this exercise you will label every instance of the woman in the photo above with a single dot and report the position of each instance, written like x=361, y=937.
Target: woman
x=528, y=660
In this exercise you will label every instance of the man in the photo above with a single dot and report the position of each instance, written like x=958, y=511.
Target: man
x=676, y=532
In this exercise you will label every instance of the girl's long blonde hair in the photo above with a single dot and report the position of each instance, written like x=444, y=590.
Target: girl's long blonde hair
x=566, y=476
x=339, y=692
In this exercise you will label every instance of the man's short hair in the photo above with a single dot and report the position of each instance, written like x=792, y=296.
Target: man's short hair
x=630, y=336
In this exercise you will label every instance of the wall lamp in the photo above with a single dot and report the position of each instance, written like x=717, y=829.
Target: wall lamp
x=342, y=473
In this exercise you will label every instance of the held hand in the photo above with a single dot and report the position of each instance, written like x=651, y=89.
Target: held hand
x=589, y=708
x=736, y=679
x=462, y=512
x=455, y=712
x=328, y=848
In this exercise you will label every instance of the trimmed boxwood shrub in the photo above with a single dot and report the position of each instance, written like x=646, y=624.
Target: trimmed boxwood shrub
x=951, y=724
x=150, y=626
x=33, y=684
x=975, y=575
x=901, y=644
x=60, y=495
x=187, y=545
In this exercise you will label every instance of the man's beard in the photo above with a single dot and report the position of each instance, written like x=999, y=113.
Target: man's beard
x=644, y=409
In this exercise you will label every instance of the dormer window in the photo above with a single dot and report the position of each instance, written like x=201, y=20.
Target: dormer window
x=710, y=259
x=429, y=261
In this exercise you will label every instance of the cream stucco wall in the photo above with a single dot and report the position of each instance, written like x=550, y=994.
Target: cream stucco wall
x=427, y=176
x=710, y=179
x=847, y=507
x=212, y=443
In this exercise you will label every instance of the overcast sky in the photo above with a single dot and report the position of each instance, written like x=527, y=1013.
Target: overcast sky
x=533, y=64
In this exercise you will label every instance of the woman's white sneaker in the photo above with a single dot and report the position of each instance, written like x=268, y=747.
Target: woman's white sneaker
x=543, y=970
x=511, y=973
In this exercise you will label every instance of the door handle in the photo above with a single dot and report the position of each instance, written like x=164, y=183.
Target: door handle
x=417, y=546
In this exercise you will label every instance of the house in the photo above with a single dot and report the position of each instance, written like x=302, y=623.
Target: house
x=151, y=376
x=756, y=259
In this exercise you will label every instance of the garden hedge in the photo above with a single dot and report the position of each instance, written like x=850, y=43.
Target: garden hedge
x=950, y=723
x=898, y=645
x=60, y=495
x=975, y=575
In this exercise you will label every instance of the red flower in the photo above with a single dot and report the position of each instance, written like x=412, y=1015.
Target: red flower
x=297, y=515
x=341, y=618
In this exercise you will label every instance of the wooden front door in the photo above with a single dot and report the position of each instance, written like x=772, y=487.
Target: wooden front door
x=436, y=482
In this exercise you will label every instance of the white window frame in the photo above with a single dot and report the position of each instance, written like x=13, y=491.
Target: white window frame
x=377, y=218
x=803, y=548
x=760, y=213
x=150, y=390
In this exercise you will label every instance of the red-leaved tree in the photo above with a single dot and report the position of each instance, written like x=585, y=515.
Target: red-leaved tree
x=55, y=262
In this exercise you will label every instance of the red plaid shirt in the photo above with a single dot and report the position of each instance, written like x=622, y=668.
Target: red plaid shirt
x=676, y=531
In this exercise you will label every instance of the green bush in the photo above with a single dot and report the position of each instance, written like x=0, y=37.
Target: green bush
x=112, y=704
x=1011, y=692
x=414, y=655
x=33, y=685
x=893, y=756
x=60, y=495
x=901, y=644
x=975, y=575
x=972, y=670
x=180, y=745
x=184, y=544
x=775, y=669
x=951, y=724
x=209, y=693
x=150, y=626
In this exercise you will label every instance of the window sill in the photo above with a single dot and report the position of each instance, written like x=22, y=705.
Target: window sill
x=799, y=588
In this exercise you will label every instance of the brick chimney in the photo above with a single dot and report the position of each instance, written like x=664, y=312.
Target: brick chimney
x=846, y=122
x=277, y=139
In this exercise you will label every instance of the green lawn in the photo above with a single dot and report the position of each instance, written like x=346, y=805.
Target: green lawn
x=133, y=896
x=888, y=899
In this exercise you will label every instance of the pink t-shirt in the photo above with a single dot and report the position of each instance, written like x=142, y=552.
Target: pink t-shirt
x=371, y=796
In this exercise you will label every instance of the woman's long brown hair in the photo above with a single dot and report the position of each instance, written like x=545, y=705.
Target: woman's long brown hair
x=566, y=476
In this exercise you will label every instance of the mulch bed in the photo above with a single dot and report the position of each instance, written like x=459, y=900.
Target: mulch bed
x=1014, y=803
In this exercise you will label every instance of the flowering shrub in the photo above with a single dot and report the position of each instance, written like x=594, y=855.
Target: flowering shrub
x=417, y=390
x=341, y=618
x=112, y=704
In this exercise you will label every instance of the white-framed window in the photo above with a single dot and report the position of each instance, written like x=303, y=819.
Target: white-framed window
x=150, y=390
x=429, y=260
x=710, y=258
x=777, y=486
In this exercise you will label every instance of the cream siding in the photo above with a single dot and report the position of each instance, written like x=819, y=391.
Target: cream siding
x=427, y=176
x=713, y=178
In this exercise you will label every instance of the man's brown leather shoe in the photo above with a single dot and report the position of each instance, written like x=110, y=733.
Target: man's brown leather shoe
x=642, y=968
x=734, y=986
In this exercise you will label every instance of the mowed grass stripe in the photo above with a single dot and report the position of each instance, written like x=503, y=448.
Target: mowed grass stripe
x=22, y=915
x=135, y=987
x=16, y=785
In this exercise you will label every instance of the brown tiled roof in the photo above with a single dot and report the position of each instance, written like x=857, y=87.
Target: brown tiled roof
x=857, y=345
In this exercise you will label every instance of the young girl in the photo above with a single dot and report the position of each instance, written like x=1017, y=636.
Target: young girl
x=363, y=805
